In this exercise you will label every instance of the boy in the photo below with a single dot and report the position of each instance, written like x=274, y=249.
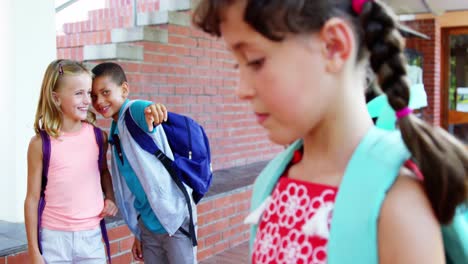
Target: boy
x=150, y=202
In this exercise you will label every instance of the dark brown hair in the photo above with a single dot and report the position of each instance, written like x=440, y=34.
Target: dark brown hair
x=442, y=159
x=111, y=70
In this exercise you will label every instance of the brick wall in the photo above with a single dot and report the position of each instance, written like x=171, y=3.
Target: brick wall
x=431, y=52
x=219, y=227
x=191, y=74
x=220, y=223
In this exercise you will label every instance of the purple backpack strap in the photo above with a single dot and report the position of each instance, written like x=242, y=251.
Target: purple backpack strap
x=100, y=142
x=106, y=239
x=45, y=170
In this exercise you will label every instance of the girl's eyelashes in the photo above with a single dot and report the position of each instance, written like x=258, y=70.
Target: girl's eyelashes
x=256, y=64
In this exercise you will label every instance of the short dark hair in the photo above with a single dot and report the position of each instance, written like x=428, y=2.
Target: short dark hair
x=112, y=70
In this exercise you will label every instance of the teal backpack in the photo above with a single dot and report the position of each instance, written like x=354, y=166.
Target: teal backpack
x=359, y=186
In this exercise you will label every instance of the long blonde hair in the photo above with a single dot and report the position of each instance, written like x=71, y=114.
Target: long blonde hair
x=48, y=113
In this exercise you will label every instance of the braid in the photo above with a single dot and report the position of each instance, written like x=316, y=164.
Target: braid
x=386, y=45
x=442, y=159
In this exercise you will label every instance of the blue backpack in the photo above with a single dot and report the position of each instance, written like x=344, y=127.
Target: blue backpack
x=192, y=157
x=46, y=150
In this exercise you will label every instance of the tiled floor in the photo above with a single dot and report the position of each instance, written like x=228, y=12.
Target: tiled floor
x=235, y=255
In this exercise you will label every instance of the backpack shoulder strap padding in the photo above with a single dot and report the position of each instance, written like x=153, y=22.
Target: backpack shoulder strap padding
x=371, y=172
x=455, y=237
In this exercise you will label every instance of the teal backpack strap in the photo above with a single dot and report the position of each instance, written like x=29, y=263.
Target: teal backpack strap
x=267, y=180
x=372, y=170
x=455, y=237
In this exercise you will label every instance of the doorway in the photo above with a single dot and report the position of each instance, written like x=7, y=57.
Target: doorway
x=455, y=81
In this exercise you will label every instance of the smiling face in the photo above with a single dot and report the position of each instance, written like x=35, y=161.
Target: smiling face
x=285, y=82
x=108, y=97
x=73, y=96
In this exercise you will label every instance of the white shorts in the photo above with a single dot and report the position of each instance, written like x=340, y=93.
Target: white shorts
x=83, y=247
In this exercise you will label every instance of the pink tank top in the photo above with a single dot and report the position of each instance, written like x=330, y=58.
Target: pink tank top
x=73, y=193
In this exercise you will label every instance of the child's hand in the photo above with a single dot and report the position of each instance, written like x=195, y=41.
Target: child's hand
x=155, y=114
x=136, y=250
x=110, y=209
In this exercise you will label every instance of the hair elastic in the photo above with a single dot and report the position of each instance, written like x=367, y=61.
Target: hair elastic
x=404, y=112
x=415, y=169
x=358, y=5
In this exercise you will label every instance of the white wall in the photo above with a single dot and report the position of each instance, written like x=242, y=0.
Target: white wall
x=6, y=80
x=28, y=27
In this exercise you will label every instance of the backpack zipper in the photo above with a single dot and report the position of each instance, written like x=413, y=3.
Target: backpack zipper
x=189, y=138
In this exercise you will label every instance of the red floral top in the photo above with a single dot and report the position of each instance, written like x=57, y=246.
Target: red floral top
x=295, y=225
x=296, y=206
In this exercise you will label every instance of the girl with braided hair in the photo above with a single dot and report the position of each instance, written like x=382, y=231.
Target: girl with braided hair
x=302, y=68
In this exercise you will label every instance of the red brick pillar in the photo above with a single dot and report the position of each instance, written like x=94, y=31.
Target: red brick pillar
x=431, y=52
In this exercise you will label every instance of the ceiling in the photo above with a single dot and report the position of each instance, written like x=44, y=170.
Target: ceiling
x=426, y=6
